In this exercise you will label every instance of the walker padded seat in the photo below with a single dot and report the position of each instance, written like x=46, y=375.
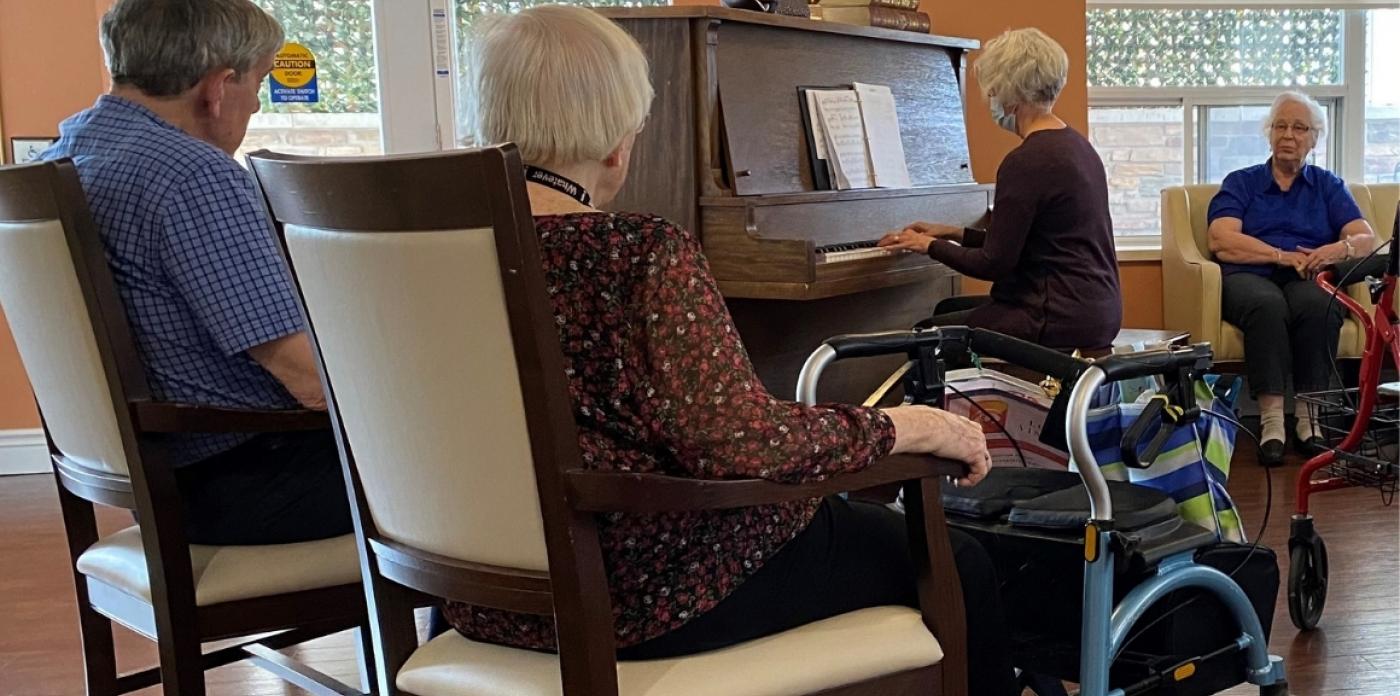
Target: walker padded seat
x=1134, y=508
x=1033, y=506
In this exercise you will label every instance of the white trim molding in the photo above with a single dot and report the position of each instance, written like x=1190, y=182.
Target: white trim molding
x=23, y=452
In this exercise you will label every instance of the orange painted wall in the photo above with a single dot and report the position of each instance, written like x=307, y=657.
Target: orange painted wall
x=50, y=67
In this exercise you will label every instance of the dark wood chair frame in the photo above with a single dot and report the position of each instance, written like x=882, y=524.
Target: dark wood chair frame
x=487, y=189
x=52, y=191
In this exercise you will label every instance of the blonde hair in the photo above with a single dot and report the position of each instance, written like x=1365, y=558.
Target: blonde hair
x=563, y=83
x=1316, y=114
x=1023, y=66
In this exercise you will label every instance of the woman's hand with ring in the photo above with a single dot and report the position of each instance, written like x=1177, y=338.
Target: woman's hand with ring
x=908, y=239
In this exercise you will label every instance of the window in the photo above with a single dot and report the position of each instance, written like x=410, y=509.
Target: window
x=1178, y=95
x=1142, y=151
x=1130, y=47
x=346, y=120
x=1381, y=158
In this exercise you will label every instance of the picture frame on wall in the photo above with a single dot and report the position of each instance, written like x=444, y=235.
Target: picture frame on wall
x=27, y=149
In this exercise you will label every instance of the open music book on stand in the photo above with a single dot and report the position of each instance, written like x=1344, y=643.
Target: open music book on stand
x=853, y=137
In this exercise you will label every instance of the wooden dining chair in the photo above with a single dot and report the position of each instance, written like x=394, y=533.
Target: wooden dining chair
x=425, y=294
x=106, y=439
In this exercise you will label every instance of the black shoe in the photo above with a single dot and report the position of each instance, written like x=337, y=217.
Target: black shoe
x=1271, y=453
x=1312, y=446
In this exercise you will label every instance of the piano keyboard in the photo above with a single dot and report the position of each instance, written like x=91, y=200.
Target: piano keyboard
x=853, y=251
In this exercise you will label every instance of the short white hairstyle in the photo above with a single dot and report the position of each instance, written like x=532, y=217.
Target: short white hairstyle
x=563, y=83
x=1023, y=66
x=1315, y=111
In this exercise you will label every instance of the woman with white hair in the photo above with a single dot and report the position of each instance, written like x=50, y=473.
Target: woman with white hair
x=1273, y=226
x=1049, y=247
x=661, y=383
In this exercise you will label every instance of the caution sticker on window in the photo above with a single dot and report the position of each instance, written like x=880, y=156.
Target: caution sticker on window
x=293, y=78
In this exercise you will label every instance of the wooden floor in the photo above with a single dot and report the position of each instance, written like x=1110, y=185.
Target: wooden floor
x=1355, y=652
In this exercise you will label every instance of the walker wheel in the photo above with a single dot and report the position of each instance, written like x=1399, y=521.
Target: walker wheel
x=1307, y=583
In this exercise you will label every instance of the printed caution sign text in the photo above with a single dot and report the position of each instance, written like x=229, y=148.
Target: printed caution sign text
x=293, y=77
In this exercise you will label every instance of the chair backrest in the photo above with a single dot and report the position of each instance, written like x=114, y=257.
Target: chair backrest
x=425, y=296
x=67, y=321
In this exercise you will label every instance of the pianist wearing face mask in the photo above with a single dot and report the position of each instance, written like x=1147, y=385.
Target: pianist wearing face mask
x=1048, y=249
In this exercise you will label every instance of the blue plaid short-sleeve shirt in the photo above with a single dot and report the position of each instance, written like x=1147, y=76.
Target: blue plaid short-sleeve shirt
x=194, y=258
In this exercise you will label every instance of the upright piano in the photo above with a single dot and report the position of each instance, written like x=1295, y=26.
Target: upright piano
x=724, y=154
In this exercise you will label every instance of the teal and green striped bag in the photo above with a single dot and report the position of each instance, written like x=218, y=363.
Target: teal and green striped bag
x=1193, y=466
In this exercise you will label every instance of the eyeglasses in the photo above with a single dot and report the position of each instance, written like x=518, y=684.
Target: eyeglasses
x=1300, y=128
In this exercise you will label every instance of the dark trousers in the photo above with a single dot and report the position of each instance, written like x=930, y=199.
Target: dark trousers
x=1289, y=329
x=854, y=555
x=273, y=489
x=955, y=311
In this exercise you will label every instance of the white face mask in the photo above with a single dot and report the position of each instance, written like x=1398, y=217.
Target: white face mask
x=1002, y=117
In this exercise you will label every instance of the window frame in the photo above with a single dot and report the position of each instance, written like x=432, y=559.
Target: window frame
x=1346, y=131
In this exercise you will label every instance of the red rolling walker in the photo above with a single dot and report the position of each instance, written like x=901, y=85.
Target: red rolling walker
x=1360, y=426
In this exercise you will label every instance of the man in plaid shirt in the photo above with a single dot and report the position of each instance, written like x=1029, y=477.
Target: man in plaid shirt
x=193, y=254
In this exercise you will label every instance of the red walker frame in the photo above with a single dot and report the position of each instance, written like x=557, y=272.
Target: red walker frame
x=1307, y=574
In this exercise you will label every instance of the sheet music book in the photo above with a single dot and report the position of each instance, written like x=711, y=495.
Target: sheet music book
x=882, y=135
x=846, y=146
x=853, y=137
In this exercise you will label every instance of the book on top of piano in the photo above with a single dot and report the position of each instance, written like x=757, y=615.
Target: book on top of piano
x=853, y=137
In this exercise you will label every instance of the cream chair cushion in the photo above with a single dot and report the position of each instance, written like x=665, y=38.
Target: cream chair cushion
x=841, y=650
x=228, y=573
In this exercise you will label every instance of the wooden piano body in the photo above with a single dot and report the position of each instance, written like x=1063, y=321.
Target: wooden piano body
x=725, y=155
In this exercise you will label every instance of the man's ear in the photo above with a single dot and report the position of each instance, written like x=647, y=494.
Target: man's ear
x=210, y=90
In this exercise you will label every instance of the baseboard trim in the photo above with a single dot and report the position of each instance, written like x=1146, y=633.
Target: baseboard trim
x=23, y=452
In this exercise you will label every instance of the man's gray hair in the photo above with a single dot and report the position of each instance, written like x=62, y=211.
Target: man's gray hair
x=164, y=47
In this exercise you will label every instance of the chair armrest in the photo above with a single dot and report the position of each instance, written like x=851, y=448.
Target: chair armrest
x=602, y=491
x=166, y=417
x=1190, y=281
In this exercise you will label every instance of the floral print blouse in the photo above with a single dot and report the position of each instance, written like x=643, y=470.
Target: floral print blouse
x=661, y=383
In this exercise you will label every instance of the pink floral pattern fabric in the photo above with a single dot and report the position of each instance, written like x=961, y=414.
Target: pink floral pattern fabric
x=661, y=384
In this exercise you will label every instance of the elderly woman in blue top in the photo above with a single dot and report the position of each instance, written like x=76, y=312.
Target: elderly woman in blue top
x=1272, y=227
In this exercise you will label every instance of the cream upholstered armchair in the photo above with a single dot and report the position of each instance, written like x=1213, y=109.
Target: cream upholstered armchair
x=1191, y=277
x=426, y=301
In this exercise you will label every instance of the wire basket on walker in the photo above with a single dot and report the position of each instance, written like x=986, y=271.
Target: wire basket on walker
x=1125, y=574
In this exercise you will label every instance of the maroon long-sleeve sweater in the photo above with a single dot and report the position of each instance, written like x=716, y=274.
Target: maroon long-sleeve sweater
x=1049, y=249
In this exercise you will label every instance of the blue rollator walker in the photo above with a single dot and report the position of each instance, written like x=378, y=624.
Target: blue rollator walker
x=1162, y=552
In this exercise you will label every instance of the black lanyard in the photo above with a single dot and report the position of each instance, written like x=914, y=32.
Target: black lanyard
x=563, y=185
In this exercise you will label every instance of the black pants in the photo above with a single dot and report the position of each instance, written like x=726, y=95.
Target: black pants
x=854, y=555
x=1289, y=331
x=955, y=311
x=273, y=489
